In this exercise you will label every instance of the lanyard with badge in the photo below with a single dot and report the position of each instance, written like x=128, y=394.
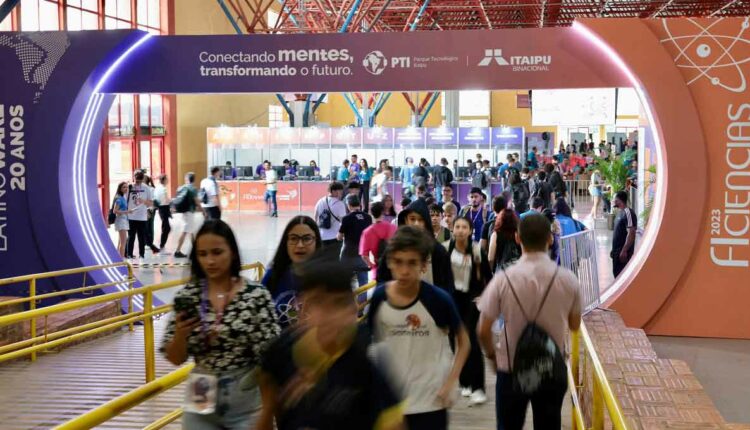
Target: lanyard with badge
x=202, y=387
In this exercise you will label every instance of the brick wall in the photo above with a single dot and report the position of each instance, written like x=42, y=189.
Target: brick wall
x=78, y=317
x=57, y=322
x=13, y=332
x=654, y=393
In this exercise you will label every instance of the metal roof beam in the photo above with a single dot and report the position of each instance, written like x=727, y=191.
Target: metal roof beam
x=726, y=6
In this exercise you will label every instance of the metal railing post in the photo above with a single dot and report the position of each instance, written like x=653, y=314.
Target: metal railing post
x=597, y=417
x=148, y=336
x=32, y=306
x=131, y=327
x=575, y=356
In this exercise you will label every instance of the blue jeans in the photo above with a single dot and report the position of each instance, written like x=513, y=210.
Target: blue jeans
x=362, y=278
x=272, y=196
x=439, y=193
x=237, y=406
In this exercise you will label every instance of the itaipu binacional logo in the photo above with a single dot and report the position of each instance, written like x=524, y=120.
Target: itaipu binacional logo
x=715, y=51
x=375, y=62
x=518, y=63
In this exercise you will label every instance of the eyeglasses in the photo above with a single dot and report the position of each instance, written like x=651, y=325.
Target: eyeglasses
x=306, y=240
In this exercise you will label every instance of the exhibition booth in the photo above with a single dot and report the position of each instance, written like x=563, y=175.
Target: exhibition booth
x=695, y=253
x=247, y=147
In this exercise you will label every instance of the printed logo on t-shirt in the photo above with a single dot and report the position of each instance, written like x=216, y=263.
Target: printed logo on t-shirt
x=412, y=326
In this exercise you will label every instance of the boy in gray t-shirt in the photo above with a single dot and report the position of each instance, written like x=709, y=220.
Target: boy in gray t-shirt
x=412, y=321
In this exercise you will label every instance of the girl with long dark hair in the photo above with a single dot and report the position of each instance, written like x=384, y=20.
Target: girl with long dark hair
x=225, y=323
x=365, y=176
x=471, y=273
x=504, y=250
x=120, y=209
x=389, y=213
x=300, y=240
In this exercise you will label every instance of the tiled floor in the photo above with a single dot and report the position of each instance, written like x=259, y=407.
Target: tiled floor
x=258, y=238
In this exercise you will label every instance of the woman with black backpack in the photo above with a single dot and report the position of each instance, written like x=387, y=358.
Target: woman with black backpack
x=503, y=248
x=520, y=190
x=471, y=273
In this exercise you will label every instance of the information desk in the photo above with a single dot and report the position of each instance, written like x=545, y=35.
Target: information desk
x=301, y=196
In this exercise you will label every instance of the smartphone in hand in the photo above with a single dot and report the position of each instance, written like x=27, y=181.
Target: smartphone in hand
x=187, y=306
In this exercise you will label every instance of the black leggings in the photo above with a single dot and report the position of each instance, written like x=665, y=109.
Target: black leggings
x=165, y=214
x=364, y=196
x=137, y=228
x=472, y=374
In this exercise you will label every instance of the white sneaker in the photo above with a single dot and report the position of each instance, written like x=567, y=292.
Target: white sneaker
x=478, y=397
x=465, y=392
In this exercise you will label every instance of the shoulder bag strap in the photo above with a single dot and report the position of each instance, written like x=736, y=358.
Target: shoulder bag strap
x=331, y=212
x=549, y=287
x=505, y=325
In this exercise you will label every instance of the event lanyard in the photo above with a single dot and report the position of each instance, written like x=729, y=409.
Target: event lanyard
x=206, y=329
x=474, y=219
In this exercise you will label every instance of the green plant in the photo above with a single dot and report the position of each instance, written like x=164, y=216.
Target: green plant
x=614, y=171
x=647, y=197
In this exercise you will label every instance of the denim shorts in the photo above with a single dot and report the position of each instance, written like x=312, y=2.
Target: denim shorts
x=238, y=404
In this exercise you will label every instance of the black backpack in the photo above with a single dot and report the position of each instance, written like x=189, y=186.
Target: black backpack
x=184, y=200
x=479, y=180
x=324, y=219
x=538, y=360
x=521, y=196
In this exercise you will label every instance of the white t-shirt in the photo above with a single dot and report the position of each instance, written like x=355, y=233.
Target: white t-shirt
x=338, y=209
x=212, y=190
x=415, y=340
x=137, y=195
x=461, y=265
x=271, y=178
x=161, y=195
x=379, y=182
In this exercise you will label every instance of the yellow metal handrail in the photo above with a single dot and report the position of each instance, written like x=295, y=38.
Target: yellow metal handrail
x=33, y=297
x=601, y=392
x=39, y=343
x=116, y=407
x=128, y=400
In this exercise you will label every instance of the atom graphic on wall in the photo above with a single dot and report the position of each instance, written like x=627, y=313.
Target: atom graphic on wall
x=715, y=51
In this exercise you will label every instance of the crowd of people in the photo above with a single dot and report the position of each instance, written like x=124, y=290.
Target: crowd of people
x=135, y=206
x=455, y=286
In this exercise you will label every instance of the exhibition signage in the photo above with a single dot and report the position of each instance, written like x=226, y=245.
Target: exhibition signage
x=442, y=136
x=473, y=137
x=347, y=137
x=693, y=259
x=381, y=137
x=507, y=137
x=409, y=137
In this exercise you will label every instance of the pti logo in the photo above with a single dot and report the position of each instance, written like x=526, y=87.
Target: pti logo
x=493, y=55
x=413, y=322
x=375, y=62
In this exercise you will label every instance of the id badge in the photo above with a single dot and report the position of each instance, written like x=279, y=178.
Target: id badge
x=200, y=396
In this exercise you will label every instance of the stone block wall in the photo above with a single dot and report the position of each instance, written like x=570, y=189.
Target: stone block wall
x=654, y=393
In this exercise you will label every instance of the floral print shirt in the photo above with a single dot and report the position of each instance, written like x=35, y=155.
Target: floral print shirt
x=248, y=326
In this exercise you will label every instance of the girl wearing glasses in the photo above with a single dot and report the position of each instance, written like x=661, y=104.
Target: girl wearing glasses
x=299, y=242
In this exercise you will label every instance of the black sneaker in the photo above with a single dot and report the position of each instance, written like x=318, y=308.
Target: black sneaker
x=179, y=255
x=155, y=250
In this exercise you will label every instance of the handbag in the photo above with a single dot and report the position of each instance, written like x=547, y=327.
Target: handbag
x=111, y=216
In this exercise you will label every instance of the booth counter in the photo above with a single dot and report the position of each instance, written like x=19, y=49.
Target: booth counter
x=301, y=196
